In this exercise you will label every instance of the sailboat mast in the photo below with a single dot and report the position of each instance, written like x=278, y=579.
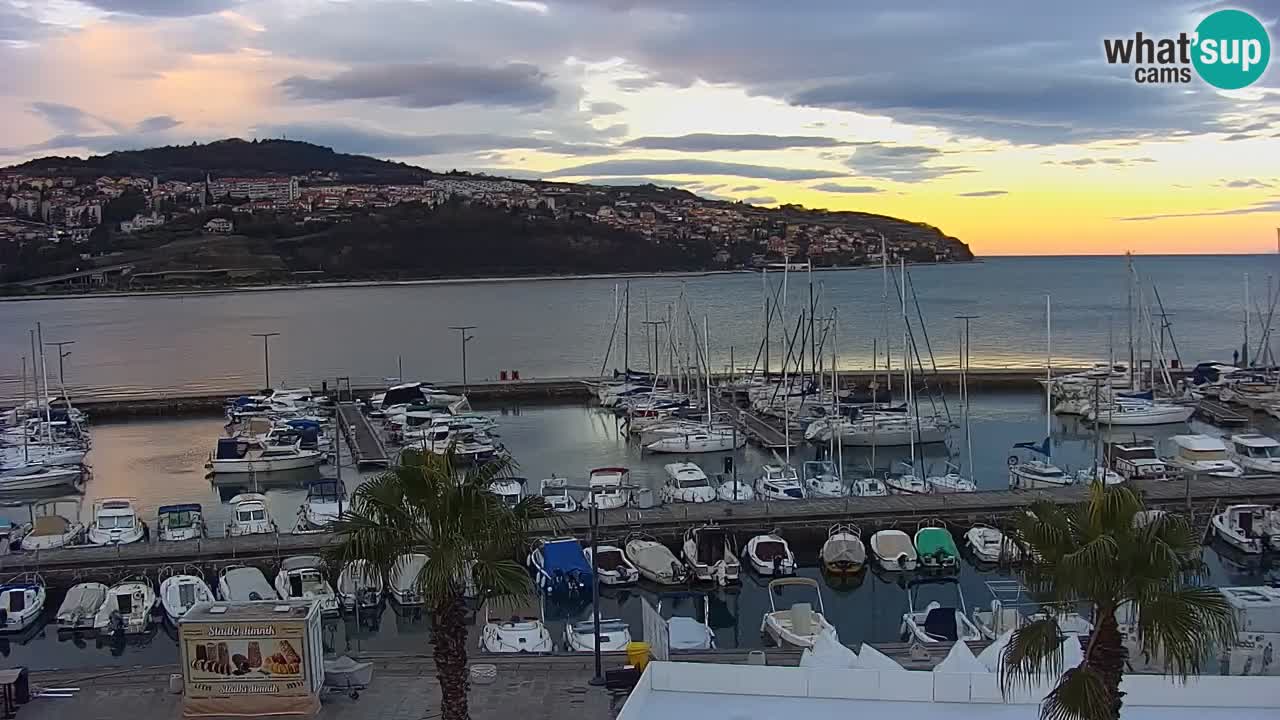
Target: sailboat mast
x=1048, y=375
x=835, y=390
x=764, y=283
x=626, y=335
x=906, y=363
x=884, y=314
x=44, y=372
x=786, y=388
x=1244, y=351
x=1128, y=279
x=706, y=361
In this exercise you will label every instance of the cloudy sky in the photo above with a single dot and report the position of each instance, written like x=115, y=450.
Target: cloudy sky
x=1001, y=125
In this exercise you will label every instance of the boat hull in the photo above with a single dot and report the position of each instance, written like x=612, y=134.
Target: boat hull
x=227, y=467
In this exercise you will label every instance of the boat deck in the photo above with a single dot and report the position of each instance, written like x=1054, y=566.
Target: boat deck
x=361, y=437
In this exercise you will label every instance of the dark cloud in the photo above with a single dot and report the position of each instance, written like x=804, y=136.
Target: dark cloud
x=1234, y=137
x=759, y=200
x=626, y=181
x=366, y=141
x=709, y=142
x=839, y=188
x=17, y=26
x=163, y=8
x=692, y=167
x=426, y=85
x=1266, y=206
x=157, y=123
x=745, y=188
x=65, y=118
x=1246, y=183
x=1086, y=161
x=605, y=108
x=613, y=131
x=636, y=84
x=983, y=193
x=901, y=163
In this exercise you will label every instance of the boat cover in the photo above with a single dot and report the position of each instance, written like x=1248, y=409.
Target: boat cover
x=564, y=556
x=936, y=541
x=656, y=558
x=686, y=633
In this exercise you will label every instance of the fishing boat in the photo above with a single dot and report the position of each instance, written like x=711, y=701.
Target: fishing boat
x=240, y=583
x=686, y=482
x=1252, y=529
x=403, y=579
x=235, y=455
x=868, y=487
x=22, y=600
x=175, y=523
x=250, y=516
x=935, y=547
x=779, y=482
x=614, y=634
x=518, y=634
x=54, y=524
x=936, y=622
x=799, y=625
x=654, y=560
x=180, y=592
x=990, y=545
x=1139, y=412
x=612, y=566
x=80, y=606
x=127, y=608
x=301, y=577
x=893, y=550
x=555, y=494
x=325, y=502
x=560, y=569
x=1255, y=453
x=510, y=490
x=115, y=522
x=770, y=555
x=607, y=488
x=1137, y=460
x=843, y=552
x=1202, y=455
x=822, y=479
x=359, y=582
x=708, y=551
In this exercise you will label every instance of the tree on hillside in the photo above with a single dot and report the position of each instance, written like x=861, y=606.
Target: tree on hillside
x=1110, y=555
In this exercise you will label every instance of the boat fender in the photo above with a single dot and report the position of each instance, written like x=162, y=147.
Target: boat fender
x=1013, y=460
x=138, y=594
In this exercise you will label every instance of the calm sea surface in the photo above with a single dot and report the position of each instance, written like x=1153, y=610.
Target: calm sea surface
x=128, y=346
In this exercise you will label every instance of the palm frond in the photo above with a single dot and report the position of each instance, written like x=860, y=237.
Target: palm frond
x=1034, y=651
x=1080, y=695
x=1183, y=625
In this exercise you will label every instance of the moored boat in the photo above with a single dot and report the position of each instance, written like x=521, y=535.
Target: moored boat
x=770, y=555
x=843, y=553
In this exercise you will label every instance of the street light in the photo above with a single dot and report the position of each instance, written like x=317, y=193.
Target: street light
x=465, y=338
x=266, y=354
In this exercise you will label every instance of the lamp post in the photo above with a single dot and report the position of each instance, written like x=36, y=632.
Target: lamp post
x=266, y=354
x=465, y=338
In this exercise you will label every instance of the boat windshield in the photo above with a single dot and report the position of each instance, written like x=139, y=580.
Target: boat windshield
x=184, y=519
x=1267, y=451
x=115, y=522
x=691, y=481
x=251, y=515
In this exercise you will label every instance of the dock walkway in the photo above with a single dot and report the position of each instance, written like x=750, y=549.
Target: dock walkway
x=1221, y=414
x=361, y=438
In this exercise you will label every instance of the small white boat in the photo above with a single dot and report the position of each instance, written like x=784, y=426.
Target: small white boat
x=951, y=482
x=843, y=552
x=770, y=555
x=1140, y=412
x=1099, y=473
x=906, y=484
x=179, y=593
x=38, y=477
x=238, y=584
x=612, y=566
x=868, y=487
x=798, y=625
x=510, y=490
x=1037, y=474
x=822, y=479
x=607, y=491
x=127, y=608
x=21, y=601
x=1202, y=455
x=1252, y=529
x=614, y=634
x=175, y=523
x=654, y=560
x=937, y=622
x=301, y=577
x=80, y=605
x=894, y=550
x=990, y=545
x=326, y=501
x=250, y=515
x=708, y=551
x=1255, y=453
x=54, y=524
x=777, y=482
x=359, y=582
x=515, y=635
x=236, y=455
x=555, y=493
x=115, y=522
x=688, y=633
x=734, y=491
x=686, y=482
x=404, y=579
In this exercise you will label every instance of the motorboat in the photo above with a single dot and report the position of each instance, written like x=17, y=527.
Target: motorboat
x=54, y=524
x=555, y=494
x=127, y=608
x=614, y=634
x=1255, y=453
x=936, y=622
x=822, y=479
x=843, y=552
x=403, y=582
x=560, y=569
x=517, y=634
x=179, y=522
x=893, y=550
x=685, y=632
x=1140, y=412
x=301, y=577
x=770, y=555
x=607, y=488
x=250, y=515
x=730, y=489
x=508, y=489
x=799, y=625
x=686, y=482
x=1012, y=606
x=908, y=483
x=326, y=501
x=21, y=601
x=612, y=565
x=990, y=545
x=779, y=482
x=1202, y=455
x=359, y=582
x=935, y=546
x=415, y=393
x=39, y=477
x=703, y=441
x=115, y=522
x=345, y=674
x=708, y=551
x=1137, y=460
x=240, y=583
x=236, y=455
x=1253, y=529
x=80, y=605
x=654, y=560
x=868, y=487
x=180, y=593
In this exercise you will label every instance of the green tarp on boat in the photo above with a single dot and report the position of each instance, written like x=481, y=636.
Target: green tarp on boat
x=936, y=547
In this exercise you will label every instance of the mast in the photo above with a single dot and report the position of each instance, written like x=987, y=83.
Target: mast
x=884, y=314
x=1048, y=375
x=26, y=455
x=906, y=364
x=44, y=372
x=706, y=361
x=835, y=390
x=764, y=283
x=786, y=388
x=626, y=336
x=1128, y=279
x=1244, y=351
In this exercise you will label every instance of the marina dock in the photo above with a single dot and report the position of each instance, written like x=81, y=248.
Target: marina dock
x=359, y=435
x=1221, y=414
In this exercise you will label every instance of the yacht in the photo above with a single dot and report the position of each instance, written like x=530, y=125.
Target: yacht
x=326, y=500
x=54, y=524
x=709, y=553
x=1137, y=460
x=179, y=522
x=127, y=608
x=115, y=522
x=936, y=622
x=1036, y=473
x=843, y=553
x=1252, y=529
x=770, y=555
x=359, y=582
x=779, y=482
x=38, y=477
x=1255, y=453
x=952, y=482
x=1202, y=455
x=607, y=488
x=235, y=455
x=21, y=601
x=878, y=429
x=703, y=440
x=686, y=482
x=822, y=479
x=734, y=490
x=560, y=568
x=614, y=634
x=1099, y=474
x=301, y=577
x=179, y=593
x=555, y=493
x=239, y=584
x=1140, y=412
x=250, y=516
x=935, y=547
x=799, y=625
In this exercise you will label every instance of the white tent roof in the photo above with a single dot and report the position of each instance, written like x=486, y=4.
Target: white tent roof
x=960, y=660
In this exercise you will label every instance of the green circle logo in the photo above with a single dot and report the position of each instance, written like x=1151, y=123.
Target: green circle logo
x=1232, y=49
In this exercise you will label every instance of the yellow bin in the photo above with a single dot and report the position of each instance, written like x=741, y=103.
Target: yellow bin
x=638, y=654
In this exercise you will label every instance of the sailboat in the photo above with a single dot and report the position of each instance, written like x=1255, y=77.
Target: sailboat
x=709, y=438
x=1038, y=473
x=954, y=480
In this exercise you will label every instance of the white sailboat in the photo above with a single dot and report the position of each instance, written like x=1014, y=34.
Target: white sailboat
x=1037, y=473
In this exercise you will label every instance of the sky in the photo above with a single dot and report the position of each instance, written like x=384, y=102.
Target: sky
x=998, y=121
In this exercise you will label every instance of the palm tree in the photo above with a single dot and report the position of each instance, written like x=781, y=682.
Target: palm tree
x=426, y=504
x=1102, y=554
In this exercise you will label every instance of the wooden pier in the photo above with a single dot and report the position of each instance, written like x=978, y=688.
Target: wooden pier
x=364, y=442
x=1221, y=414
x=767, y=433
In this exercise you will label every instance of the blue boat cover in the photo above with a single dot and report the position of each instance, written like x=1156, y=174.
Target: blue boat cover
x=564, y=556
x=183, y=507
x=231, y=449
x=302, y=424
